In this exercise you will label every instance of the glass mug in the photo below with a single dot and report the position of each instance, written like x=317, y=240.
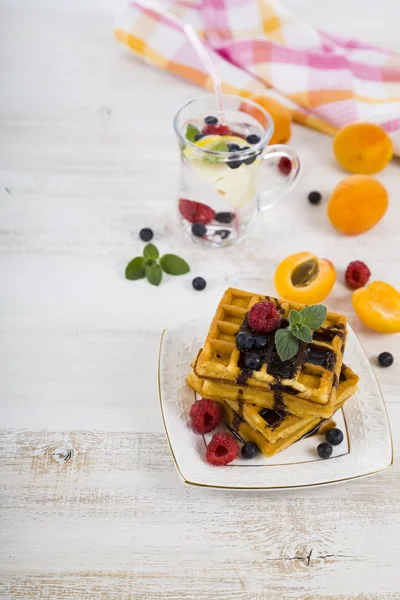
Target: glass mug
x=218, y=196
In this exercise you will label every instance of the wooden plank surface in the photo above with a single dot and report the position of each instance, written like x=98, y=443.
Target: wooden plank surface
x=90, y=504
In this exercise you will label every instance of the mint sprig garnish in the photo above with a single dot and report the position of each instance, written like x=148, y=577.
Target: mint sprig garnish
x=151, y=266
x=301, y=326
x=191, y=132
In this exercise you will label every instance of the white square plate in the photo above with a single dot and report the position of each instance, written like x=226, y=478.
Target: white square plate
x=366, y=449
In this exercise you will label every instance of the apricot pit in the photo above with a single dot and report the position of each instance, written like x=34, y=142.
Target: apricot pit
x=304, y=278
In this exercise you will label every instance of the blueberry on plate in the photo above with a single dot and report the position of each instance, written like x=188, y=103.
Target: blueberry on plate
x=199, y=283
x=260, y=342
x=253, y=362
x=244, y=341
x=199, y=230
x=334, y=437
x=249, y=450
x=146, y=234
x=253, y=138
x=385, y=359
x=324, y=450
x=211, y=120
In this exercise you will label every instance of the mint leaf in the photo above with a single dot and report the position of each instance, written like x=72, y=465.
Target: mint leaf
x=174, y=265
x=294, y=318
x=218, y=147
x=154, y=274
x=303, y=333
x=150, y=251
x=191, y=132
x=313, y=316
x=135, y=269
x=286, y=344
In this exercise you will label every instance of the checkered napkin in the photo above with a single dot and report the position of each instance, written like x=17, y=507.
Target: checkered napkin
x=259, y=47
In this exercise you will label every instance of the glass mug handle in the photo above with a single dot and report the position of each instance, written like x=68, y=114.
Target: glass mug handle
x=278, y=192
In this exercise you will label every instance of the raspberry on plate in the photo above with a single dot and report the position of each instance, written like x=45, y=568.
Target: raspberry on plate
x=205, y=415
x=196, y=212
x=222, y=449
x=264, y=317
x=357, y=274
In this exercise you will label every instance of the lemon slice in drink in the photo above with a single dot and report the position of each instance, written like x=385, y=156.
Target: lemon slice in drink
x=237, y=186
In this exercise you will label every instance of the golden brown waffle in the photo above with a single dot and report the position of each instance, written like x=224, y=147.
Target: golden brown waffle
x=305, y=385
x=248, y=429
x=274, y=425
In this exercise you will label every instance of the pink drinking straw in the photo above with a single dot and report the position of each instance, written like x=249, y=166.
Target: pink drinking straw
x=209, y=65
x=212, y=71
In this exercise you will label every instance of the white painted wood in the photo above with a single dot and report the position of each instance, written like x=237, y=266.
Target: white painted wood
x=88, y=157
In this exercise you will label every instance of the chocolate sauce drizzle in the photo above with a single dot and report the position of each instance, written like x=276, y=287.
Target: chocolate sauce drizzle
x=286, y=369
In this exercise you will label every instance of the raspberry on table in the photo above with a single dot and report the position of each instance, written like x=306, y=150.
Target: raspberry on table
x=222, y=449
x=264, y=317
x=205, y=415
x=357, y=274
x=285, y=165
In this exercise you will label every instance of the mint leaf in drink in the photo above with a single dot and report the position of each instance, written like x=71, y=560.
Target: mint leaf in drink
x=286, y=344
x=150, y=251
x=135, y=269
x=191, y=132
x=220, y=146
x=294, y=318
x=154, y=274
x=302, y=332
x=313, y=316
x=174, y=265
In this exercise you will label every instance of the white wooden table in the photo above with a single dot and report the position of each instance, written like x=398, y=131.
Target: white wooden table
x=91, y=504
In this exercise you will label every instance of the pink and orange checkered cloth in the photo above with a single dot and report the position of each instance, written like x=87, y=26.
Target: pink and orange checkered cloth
x=259, y=47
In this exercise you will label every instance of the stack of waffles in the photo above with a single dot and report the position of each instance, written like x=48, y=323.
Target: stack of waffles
x=282, y=401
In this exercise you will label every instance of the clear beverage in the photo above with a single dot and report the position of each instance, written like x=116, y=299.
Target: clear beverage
x=220, y=167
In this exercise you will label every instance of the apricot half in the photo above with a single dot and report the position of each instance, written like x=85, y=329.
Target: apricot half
x=357, y=203
x=363, y=148
x=279, y=114
x=304, y=278
x=378, y=306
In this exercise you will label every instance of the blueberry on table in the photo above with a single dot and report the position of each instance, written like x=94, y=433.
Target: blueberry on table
x=314, y=197
x=211, y=120
x=199, y=230
x=146, y=234
x=334, y=437
x=253, y=139
x=244, y=341
x=385, y=359
x=253, y=362
x=249, y=450
x=199, y=283
x=325, y=450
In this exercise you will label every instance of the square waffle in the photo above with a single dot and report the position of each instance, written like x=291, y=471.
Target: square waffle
x=274, y=425
x=250, y=430
x=305, y=385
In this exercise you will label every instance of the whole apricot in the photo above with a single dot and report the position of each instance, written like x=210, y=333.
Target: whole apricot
x=357, y=203
x=363, y=148
x=378, y=306
x=280, y=115
x=304, y=278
